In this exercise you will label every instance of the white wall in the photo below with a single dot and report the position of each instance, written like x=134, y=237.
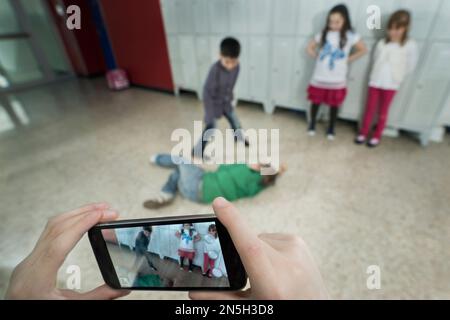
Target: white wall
x=275, y=69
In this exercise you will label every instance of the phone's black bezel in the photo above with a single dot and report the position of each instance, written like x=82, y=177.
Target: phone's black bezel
x=237, y=276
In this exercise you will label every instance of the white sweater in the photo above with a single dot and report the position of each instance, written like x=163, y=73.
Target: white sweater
x=392, y=62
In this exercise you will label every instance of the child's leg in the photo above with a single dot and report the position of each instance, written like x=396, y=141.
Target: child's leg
x=167, y=160
x=190, y=264
x=333, y=117
x=371, y=105
x=171, y=185
x=235, y=125
x=181, y=261
x=313, y=115
x=211, y=265
x=385, y=102
x=201, y=144
x=205, y=262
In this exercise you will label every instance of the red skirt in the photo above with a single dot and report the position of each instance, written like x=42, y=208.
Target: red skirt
x=186, y=254
x=331, y=97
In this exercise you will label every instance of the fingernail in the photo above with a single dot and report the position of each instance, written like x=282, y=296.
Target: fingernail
x=109, y=214
x=221, y=202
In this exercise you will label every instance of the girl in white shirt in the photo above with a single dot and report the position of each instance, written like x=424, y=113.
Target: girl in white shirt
x=395, y=56
x=211, y=250
x=333, y=49
x=188, y=236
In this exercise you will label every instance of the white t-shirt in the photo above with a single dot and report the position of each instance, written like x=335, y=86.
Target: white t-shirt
x=331, y=67
x=392, y=62
x=187, y=241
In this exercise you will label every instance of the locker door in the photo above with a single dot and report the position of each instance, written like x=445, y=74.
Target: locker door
x=423, y=15
x=282, y=71
x=175, y=61
x=259, y=16
x=259, y=48
x=357, y=86
x=430, y=90
x=203, y=60
x=200, y=11
x=303, y=68
x=285, y=13
x=311, y=16
x=241, y=89
x=169, y=16
x=238, y=16
x=440, y=30
x=386, y=8
x=214, y=45
x=188, y=62
x=218, y=15
x=398, y=104
x=184, y=16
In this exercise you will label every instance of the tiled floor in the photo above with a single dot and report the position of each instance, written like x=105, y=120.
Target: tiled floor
x=355, y=207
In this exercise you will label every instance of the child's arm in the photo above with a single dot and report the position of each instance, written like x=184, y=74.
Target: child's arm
x=177, y=234
x=196, y=238
x=360, y=49
x=311, y=49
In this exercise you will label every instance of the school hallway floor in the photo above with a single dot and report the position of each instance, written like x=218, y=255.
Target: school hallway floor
x=354, y=206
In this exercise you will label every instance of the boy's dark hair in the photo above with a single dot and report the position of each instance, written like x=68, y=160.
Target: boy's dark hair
x=230, y=47
x=147, y=228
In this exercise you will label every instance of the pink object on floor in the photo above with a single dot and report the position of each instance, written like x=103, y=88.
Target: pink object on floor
x=117, y=79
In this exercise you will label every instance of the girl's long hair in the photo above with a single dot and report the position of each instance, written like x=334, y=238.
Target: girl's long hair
x=212, y=227
x=191, y=229
x=399, y=19
x=343, y=11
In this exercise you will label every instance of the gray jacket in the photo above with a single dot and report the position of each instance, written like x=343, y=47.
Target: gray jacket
x=218, y=91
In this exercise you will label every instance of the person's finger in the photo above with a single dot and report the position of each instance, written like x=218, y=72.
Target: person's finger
x=224, y=295
x=103, y=292
x=248, y=245
x=77, y=211
x=56, y=250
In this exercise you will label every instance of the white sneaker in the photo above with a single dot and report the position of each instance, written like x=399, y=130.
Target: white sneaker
x=311, y=133
x=330, y=137
x=153, y=159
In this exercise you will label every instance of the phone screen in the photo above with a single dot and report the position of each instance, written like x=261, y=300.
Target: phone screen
x=175, y=255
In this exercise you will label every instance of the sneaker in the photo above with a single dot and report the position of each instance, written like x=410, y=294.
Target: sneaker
x=360, y=139
x=373, y=143
x=153, y=158
x=331, y=136
x=311, y=132
x=190, y=270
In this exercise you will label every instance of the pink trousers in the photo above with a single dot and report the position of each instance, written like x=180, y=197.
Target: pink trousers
x=377, y=99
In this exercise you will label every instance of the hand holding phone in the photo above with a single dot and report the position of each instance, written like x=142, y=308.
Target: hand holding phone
x=167, y=253
x=35, y=276
x=279, y=266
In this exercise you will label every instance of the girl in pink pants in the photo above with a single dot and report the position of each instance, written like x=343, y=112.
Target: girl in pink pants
x=394, y=57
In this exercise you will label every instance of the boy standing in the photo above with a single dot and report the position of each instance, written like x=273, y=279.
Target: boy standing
x=218, y=93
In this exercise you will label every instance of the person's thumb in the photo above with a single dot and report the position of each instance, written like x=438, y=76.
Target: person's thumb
x=103, y=292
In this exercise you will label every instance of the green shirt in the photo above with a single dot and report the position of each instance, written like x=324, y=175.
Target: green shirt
x=232, y=181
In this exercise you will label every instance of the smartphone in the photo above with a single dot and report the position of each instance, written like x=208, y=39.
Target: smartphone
x=169, y=253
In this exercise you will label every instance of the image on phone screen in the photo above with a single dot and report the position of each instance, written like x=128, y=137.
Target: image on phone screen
x=186, y=255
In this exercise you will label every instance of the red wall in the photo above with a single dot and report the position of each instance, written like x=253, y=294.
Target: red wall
x=136, y=32
x=82, y=46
